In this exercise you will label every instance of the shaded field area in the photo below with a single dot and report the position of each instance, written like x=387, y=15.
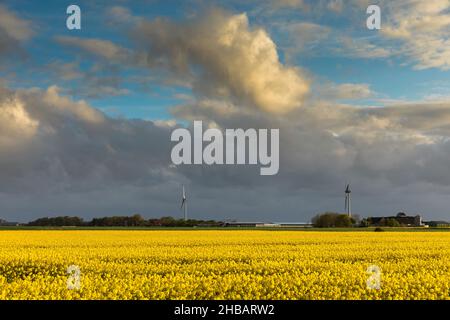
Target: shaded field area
x=223, y=264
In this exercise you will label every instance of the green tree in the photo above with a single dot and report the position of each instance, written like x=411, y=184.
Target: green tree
x=391, y=222
x=343, y=221
x=332, y=220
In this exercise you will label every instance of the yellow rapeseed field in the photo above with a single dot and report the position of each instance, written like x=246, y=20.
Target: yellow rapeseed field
x=223, y=264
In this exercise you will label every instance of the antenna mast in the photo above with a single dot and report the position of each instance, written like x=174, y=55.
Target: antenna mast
x=184, y=204
x=348, y=200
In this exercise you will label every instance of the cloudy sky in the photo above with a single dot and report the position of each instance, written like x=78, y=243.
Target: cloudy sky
x=86, y=115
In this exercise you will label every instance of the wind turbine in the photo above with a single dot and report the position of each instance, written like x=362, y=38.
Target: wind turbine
x=348, y=200
x=184, y=203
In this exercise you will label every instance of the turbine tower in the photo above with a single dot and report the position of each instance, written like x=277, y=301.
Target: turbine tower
x=184, y=203
x=348, y=200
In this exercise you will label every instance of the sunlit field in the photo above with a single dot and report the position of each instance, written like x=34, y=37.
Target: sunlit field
x=223, y=264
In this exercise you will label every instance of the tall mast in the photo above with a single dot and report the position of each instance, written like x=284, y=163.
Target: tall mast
x=348, y=200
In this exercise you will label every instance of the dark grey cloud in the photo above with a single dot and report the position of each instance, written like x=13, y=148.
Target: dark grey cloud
x=69, y=146
x=61, y=156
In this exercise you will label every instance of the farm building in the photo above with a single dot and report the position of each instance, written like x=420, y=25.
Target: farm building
x=402, y=218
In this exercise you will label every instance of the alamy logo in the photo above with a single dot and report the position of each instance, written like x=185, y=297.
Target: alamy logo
x=74, y=279
x=374, y=279
x=373, y=22
x=73, y=21
x=236, y=151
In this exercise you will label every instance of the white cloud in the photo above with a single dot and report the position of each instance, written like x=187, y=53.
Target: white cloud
x=69, y=146
x=423, y=30
x=335, y=5
x=349, y=91
x=288, y=3
x=305, y=36
x=16, y=122
x=66, y=71
x=101, y=48
x=119, y=14
x=414, y=30
x=227, y=58
x=354, y=47
x=308, y=38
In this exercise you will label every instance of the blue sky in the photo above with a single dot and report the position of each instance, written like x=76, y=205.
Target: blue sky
x=388, y=77
x=49, y=21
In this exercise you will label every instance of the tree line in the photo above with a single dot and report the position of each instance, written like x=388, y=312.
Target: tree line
x=121, y=221
x=335, y=220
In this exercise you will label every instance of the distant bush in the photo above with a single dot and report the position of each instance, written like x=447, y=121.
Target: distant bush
x=364, y=223
x=392, y=223
x=119, y=221
x=135, y=220
x=378, y=229
x=332, y=220
x=58, y=222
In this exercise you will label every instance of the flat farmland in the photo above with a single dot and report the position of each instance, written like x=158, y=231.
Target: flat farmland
x=223, y=264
